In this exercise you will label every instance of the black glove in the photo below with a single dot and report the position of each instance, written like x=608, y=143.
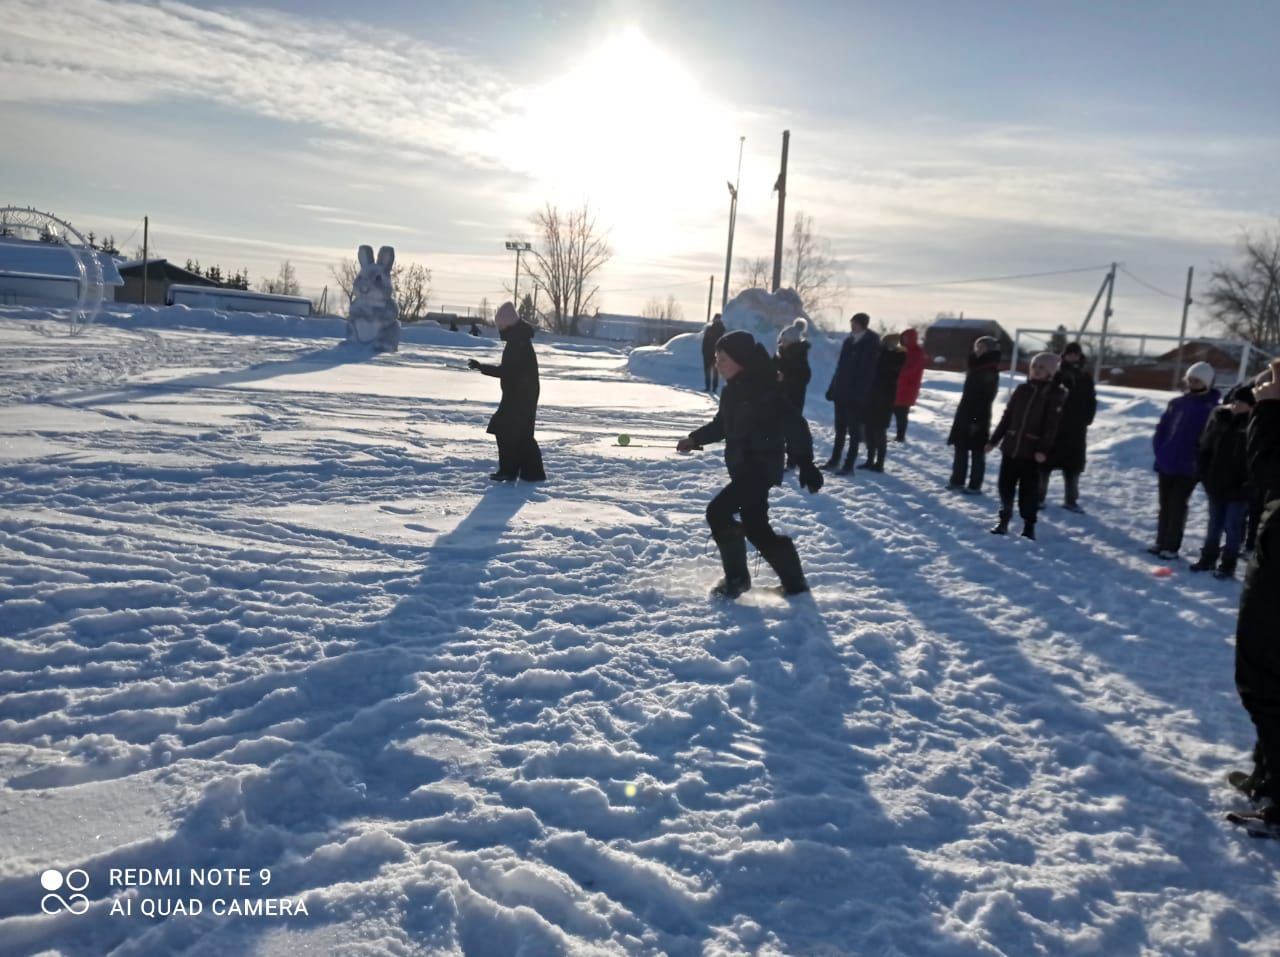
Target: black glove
x=810, y=477
x=473, y=364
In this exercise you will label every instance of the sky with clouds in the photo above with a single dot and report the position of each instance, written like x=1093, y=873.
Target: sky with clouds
x=930, y=141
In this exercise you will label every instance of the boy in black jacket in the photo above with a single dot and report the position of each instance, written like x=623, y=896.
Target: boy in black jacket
x=758, y=425
x=1224, y=470
x=972, y=423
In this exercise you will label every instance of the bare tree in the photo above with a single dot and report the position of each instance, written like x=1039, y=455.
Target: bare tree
x=285, y=283
x=411, y=285
x=344, y=276
x=808, y=266
x=655, y=308
x=1244, y=301
x=753, y=274
x=569, y=253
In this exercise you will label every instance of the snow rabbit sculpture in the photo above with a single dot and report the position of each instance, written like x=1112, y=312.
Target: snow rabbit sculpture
x=374, y=317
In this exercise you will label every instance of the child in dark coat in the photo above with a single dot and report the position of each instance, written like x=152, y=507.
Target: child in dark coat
x=1025, y=435
x=1224, y=470
x=758, y=425
x=512, y=424
x=793, y=367
x=880, y=403
x=1077, y=415
x=972, y=423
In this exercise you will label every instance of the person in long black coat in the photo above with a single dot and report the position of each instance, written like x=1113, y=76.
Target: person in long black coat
x=1224, y=472
x=710, y=336
x=850, y=389
x=1257, y=665
x=1077, y=415
x=880, y=403
x=512, y=425
x=758, y=425
x=793, y=366
x=972, y=423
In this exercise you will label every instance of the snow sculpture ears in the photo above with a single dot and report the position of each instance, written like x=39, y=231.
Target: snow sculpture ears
x=365, y=255
x=386, y=257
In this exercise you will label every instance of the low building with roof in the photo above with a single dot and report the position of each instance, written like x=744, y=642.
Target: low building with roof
x=158, y=275
x=948, y=343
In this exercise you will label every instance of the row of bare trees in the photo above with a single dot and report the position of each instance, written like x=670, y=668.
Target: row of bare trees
x=1244, y=300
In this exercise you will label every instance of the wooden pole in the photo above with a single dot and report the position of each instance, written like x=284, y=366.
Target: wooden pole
x=145, y=226
x=781, y=187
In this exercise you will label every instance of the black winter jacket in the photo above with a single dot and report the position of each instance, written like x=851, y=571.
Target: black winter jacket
x=711, y=334
x=1077, y=415
x=1224, y=465
x=972, y=423
x=855, y=370
x=884, y=390
x=518, y=373
x=1030, y=421
x=758, y=424
x=793, y=366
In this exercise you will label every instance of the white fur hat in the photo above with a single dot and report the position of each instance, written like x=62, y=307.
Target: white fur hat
x=505, y=316
x=794, y=332
x=1201, y=371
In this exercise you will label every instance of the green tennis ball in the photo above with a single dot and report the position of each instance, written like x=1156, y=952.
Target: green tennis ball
x=624, y=439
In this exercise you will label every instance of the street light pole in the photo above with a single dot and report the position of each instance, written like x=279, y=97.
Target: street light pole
x=733, y=218
x=515, y=286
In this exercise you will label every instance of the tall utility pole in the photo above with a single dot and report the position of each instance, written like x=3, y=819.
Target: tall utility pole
x=733, y=218
x=1106, y=321
x=515, y=286
x=781, y=187
x=711, y=291
x=144, y=259
x=1182, y=332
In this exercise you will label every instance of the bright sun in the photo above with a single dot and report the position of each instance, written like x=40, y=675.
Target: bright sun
x=628, y=129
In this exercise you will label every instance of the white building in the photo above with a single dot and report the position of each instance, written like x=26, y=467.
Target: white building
x=35, y=273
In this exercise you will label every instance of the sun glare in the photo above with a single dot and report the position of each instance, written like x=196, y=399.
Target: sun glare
x=627, y=128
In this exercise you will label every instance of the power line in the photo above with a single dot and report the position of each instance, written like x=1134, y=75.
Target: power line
x=959, y=282
x=1143, y=282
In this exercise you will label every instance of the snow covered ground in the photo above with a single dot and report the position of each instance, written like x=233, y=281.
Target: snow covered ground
x=261, y=609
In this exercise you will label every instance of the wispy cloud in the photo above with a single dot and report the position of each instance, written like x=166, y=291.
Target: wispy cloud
x=353, y=81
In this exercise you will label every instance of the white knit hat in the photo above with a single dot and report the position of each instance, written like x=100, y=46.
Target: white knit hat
x=1201, y=371
x=794, y=332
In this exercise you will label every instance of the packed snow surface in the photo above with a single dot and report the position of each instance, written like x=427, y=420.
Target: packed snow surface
x=262, y=613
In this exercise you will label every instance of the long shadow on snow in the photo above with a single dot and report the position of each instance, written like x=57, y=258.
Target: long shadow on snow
x=1077, y=737
x=354, y=715
x=314, y=361
x=824, y=863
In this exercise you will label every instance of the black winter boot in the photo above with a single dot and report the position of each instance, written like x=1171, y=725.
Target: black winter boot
x=1002, y=526
x=1029, y=530
x=834, y=461
x=783, y=559
x=1226, y=567
x=733, y=555
x=1208, y=558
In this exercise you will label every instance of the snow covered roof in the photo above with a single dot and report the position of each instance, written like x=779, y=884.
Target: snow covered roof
x=49, y=261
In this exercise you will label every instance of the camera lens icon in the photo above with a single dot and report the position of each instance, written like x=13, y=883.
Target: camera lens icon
x=75, y=881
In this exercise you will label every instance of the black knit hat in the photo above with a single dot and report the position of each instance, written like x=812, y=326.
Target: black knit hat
x=738, y=345
x=1072, y=348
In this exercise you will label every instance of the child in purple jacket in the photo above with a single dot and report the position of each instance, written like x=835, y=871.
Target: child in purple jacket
x=1177, y=446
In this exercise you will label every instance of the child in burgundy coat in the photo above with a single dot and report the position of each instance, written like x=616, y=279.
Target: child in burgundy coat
x=1025, y=435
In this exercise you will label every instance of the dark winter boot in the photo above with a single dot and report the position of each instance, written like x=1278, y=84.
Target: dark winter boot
x=783, y=559
x=834, y=461
x=1002, y=526
x=1208, y=558
x=733, y=555
x=1226, y=567
x=1029, y=530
